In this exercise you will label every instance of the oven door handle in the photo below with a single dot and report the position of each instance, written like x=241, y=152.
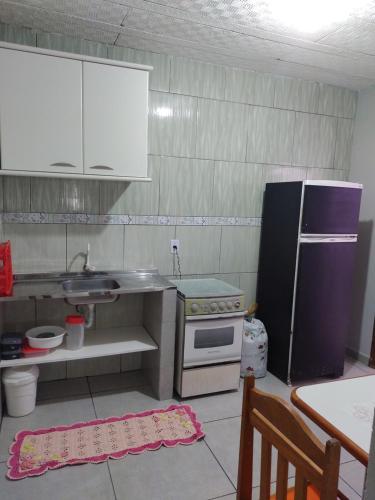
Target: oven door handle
x=207, y=317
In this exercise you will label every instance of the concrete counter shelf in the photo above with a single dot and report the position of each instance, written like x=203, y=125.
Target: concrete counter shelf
x=144, y=299
x=98, y=343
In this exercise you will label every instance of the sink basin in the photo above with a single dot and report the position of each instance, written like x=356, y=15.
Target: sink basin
x=92, y=285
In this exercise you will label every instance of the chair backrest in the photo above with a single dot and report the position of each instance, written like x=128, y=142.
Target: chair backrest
x=283, y=428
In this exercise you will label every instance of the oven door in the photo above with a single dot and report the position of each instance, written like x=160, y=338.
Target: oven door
x=212, y=339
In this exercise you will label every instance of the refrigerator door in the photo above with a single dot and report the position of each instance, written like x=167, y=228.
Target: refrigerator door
x=330, y=210
x=322, y=307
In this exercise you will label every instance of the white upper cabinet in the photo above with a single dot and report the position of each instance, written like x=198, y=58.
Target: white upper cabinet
x=114, y=120
x=40, y=113
x=67, y=115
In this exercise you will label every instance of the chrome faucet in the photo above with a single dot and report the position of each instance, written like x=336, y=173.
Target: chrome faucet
x=87, y=267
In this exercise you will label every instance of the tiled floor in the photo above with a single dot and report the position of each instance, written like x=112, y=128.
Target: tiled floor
x=203, y=471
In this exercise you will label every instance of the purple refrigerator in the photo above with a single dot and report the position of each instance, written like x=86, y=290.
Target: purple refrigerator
x=306, y=265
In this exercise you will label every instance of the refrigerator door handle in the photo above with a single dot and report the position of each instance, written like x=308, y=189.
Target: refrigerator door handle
x=326, y=238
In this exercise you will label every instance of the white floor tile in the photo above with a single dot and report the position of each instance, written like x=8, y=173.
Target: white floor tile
x=116, y=403
x=353, y=473
x=217, y=406
x=183, y=473
x=223, y=437
x=186, y=473
x=233, y=496
x=348, y=491
x=83, y=482
x=47, y=413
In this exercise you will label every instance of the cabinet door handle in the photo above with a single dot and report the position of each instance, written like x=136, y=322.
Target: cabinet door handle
x=62, y=164
x=101, y=167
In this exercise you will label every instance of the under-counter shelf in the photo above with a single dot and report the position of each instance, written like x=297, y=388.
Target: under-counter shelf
x=98, y=343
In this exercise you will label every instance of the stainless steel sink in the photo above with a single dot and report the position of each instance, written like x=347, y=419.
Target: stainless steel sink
x=91, y=285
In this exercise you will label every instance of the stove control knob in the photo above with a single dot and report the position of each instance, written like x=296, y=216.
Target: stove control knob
x=229, y=305
x=222, y=306
x=237, y=304
x=213, y=307
x=194, y=308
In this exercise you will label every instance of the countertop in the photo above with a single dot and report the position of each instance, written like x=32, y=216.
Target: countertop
x=50, y=285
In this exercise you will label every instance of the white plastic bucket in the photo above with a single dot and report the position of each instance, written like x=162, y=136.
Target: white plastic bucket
x=20, y=389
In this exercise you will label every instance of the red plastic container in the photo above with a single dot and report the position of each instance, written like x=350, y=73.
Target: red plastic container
x=6, y=273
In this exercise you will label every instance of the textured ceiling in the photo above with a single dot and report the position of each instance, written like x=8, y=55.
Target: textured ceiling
x=236, y=32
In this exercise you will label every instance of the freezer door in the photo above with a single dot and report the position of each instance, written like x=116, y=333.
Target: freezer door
x=330, y=210
x=322, y=309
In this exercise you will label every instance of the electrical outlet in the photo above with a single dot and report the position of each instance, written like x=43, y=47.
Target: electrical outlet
x=174, y=243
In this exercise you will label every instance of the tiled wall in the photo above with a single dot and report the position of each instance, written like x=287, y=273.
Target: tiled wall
x=216, y=135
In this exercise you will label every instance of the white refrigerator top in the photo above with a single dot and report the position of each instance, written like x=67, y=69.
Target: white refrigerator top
x=344, y=184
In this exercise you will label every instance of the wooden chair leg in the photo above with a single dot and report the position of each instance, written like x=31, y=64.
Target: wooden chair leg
x=245, y=465
x=332, y=469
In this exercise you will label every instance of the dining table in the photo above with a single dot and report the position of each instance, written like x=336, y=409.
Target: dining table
x=344, y=409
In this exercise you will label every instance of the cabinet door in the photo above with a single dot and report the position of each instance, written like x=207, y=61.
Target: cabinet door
x=40, y=113
x=114, y=120
x=323, y=306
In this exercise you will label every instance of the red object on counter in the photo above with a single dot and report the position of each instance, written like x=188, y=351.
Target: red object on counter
x=6, y=273
x=32, y=351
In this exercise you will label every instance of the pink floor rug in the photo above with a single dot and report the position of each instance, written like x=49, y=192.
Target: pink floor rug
x=34, y=452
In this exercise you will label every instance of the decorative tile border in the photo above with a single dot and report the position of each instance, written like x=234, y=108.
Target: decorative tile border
x=153, y=220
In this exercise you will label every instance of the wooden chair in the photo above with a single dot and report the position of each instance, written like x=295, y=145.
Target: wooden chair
x=317, y=466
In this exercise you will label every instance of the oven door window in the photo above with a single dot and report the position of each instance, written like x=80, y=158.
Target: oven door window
x=215, y=337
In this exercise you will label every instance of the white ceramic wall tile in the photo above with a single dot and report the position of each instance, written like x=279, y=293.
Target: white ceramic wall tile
x=185, y=186
x=1, y=195
x=52, y=371
x=16, y=194
x=54, y=41
x=231, y=279
x=249, y=87
x=337, y=101
x=52, y=312
x=239, y=249
x=18, y=316
x=148, y=246
x=326, y=174
x=120, y=53
x=221, y=130
x=37, y=247
x=270, y=135
x=197, y=78
x=106, y=246
x=299, y=95
x=130, y=362
x=343, y=143
x=126, y=311
x=248, y=283
x=94, y=366
x=237, y=189
x=199, y=249
x=16, y=34
x=64, y=195
x=132, y=197
x=314, y=141
x=172, y=124
x=276, y=173
x=159, y=76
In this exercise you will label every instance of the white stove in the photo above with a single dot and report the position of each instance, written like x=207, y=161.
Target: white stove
x=209, y=336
